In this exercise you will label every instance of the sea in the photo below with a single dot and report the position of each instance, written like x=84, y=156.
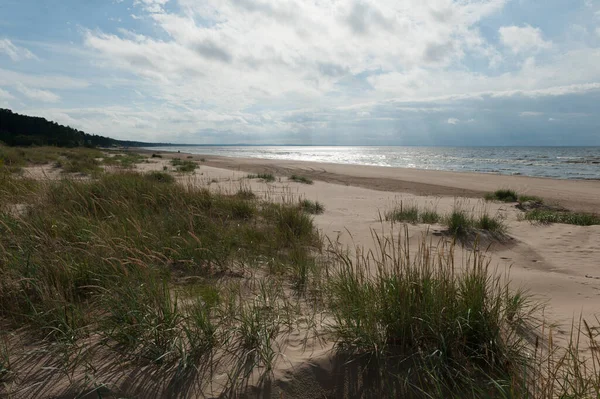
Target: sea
x=551, y=162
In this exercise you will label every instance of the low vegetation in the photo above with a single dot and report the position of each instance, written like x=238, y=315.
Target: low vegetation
x=301, y=179
x=430, y=332
x=184, y=166
x=462, y=224
x=503, y=195
x=268, y=177
x=124, y=160
x=546, y=216
x=459, y=222
x=412, y=214
x=536, y=211
x=507, y=195
x=312, y=207
x=138, y=275
x=106, y=258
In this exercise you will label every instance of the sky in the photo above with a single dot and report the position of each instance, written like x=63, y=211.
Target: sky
x=311, y=72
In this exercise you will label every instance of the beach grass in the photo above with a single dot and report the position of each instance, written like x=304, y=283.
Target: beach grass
x=301, y=179
x=426, y=328
x=103, y=258
x=184, y=166
x=502, y=195
x=268, y=177
x=312, y=207
x=410, y=213
x=547, y=216
x=186, y=284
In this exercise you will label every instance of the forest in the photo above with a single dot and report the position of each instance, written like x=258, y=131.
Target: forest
x=24, y=130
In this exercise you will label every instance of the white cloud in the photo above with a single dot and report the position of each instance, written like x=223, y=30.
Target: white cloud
x=523, y=39
x=38, y=95
x=4, y=95
x=14, y=52
x=453, y=121
x=152, y=6
x=12, y=78
x=530, y=113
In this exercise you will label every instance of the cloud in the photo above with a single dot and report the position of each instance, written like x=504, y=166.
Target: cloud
x=453, y=121
x=211, y=50
x=152, y=6
x=530, y=113
x=38, y=95
x=15, y=53
x=4, y=95
x=523, y=39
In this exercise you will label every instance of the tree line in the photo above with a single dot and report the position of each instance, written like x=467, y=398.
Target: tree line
x=24, y=130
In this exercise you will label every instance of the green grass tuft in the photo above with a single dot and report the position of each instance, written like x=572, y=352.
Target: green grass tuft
x=160, y=177
x=301, y=179
x=551, y=216
x=426, y=329
x=459, y=223
x=503, y=195
x=184, y=166
x=268, y=177
x=312, y=207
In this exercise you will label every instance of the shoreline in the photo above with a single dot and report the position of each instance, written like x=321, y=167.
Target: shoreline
x=576, y=195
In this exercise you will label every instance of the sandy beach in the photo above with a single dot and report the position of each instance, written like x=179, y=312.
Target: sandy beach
x=558, y=264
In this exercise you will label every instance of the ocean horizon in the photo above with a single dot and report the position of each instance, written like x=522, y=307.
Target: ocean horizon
x=541, y=161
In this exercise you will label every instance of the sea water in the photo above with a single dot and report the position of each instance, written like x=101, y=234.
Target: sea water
x=554, y=162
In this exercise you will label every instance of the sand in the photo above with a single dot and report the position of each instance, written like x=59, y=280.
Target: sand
x=558, y=264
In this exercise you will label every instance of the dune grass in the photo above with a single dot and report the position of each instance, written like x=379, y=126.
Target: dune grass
x=268, y=177
x=426, y=327
x=462, y=224
x=546, y=216
x=71, y=160
x=502, y=195
x=177, y=279
x=301, y=179
x=312, y=207
x=184, y=166
x=422, y=327
x=507, y=195
x=412, y=214
x=125, y=160
x=102, y=258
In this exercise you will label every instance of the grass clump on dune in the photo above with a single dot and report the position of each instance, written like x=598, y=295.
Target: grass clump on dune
x=184, y=166
x=412, y=214
x=427, y=329
x=268, y=177
x=503, y=195
x=507, y=195
x=462, y=224
x=300, y=179
x=547, y=216
x=312, y=207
